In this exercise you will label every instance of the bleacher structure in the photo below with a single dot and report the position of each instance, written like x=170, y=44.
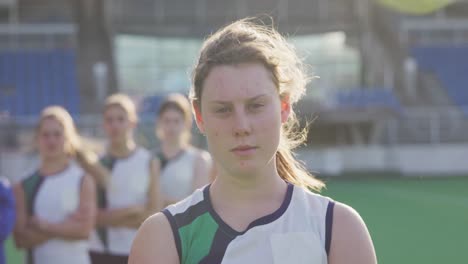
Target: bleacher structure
x=388, y=42
x=365, y=99
x=34, y=79
x=450, y=66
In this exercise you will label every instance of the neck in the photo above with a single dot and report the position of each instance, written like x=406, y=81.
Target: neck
x=122, y=149
x=170, y=149
x=263, y=184
x=51, y=166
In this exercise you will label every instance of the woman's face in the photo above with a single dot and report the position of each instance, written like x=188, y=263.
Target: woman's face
x=171, y=125
x=51, y=139
x=117, y=125
x=241, y=116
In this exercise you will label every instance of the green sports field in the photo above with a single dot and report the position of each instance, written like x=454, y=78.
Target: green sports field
x=412, y=221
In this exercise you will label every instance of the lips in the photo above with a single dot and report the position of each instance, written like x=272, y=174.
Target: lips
x=244, y=150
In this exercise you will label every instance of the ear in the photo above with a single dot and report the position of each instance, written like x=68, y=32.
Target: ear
x=198, y=118
x=285, y=108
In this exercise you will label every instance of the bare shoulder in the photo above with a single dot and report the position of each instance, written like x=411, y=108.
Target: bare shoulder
x=351, y=241
x=154, y=242
x=346, y=215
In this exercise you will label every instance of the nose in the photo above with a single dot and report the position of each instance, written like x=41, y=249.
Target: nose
x=241, y=123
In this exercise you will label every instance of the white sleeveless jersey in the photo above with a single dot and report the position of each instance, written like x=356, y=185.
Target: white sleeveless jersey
x=56, y=197
x=298, y=232
x=177, y=175
x=129, y=185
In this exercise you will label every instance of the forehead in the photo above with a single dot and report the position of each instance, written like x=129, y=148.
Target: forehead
x=171, y=112
x=49, y=124
x=115, y=110
x=237, y=82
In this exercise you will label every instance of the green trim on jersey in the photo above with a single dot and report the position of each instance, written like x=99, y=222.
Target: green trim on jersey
x=31, y=187
x=200, y=235
x=197, y=238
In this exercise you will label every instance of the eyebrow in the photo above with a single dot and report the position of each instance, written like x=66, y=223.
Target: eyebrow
x=228, y=102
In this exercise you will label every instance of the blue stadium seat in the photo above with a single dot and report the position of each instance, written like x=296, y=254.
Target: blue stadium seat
x=367, y=98
x=38, y=78
x=450, y=66
x=150, y=106
x=70, y=70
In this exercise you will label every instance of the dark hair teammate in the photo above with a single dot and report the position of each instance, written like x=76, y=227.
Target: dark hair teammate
x=259, y=208
x=131, y=193
x=184, y=168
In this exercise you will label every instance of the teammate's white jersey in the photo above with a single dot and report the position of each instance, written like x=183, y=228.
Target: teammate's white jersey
x=129, y=186
x=54, y=198
x=177, y=175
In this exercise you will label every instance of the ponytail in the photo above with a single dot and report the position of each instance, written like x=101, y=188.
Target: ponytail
x=292, y=171
x=288, y=167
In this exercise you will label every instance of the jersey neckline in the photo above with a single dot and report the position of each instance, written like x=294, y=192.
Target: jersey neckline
x=55, y=173
x=257, y=222
x=122, y=158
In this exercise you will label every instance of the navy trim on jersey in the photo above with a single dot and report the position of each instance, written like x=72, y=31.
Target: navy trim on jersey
x=190, y=214
x=329, y=226
x=162, y=159
x=105, y=258
x=30, y=258
x=31, y=186
x=108, y=162
x=260, y=221
x=165, y=161
x=218, y=249
x=175, y=232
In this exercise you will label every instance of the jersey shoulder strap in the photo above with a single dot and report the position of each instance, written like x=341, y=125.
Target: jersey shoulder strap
x=30, y=187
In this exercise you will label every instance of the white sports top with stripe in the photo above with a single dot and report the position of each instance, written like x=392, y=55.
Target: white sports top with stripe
x=177, y=174
x=129, y=185
x=54, y=198
x=298, y=232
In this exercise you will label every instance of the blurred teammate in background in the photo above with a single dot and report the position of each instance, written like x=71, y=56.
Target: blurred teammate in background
x=7, y=214
x=131, y=193
x=56, y=205
x=184, y=168
x=258, y=209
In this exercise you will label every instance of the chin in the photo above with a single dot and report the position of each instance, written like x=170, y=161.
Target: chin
x=117, y=139
x=52, y=156
x=247, y=167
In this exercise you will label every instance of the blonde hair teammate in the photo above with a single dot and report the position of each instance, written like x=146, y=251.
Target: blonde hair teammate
x=56, y=205
x=258, y=209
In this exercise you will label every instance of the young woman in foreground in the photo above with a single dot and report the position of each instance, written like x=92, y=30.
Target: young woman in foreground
x=258, y=209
